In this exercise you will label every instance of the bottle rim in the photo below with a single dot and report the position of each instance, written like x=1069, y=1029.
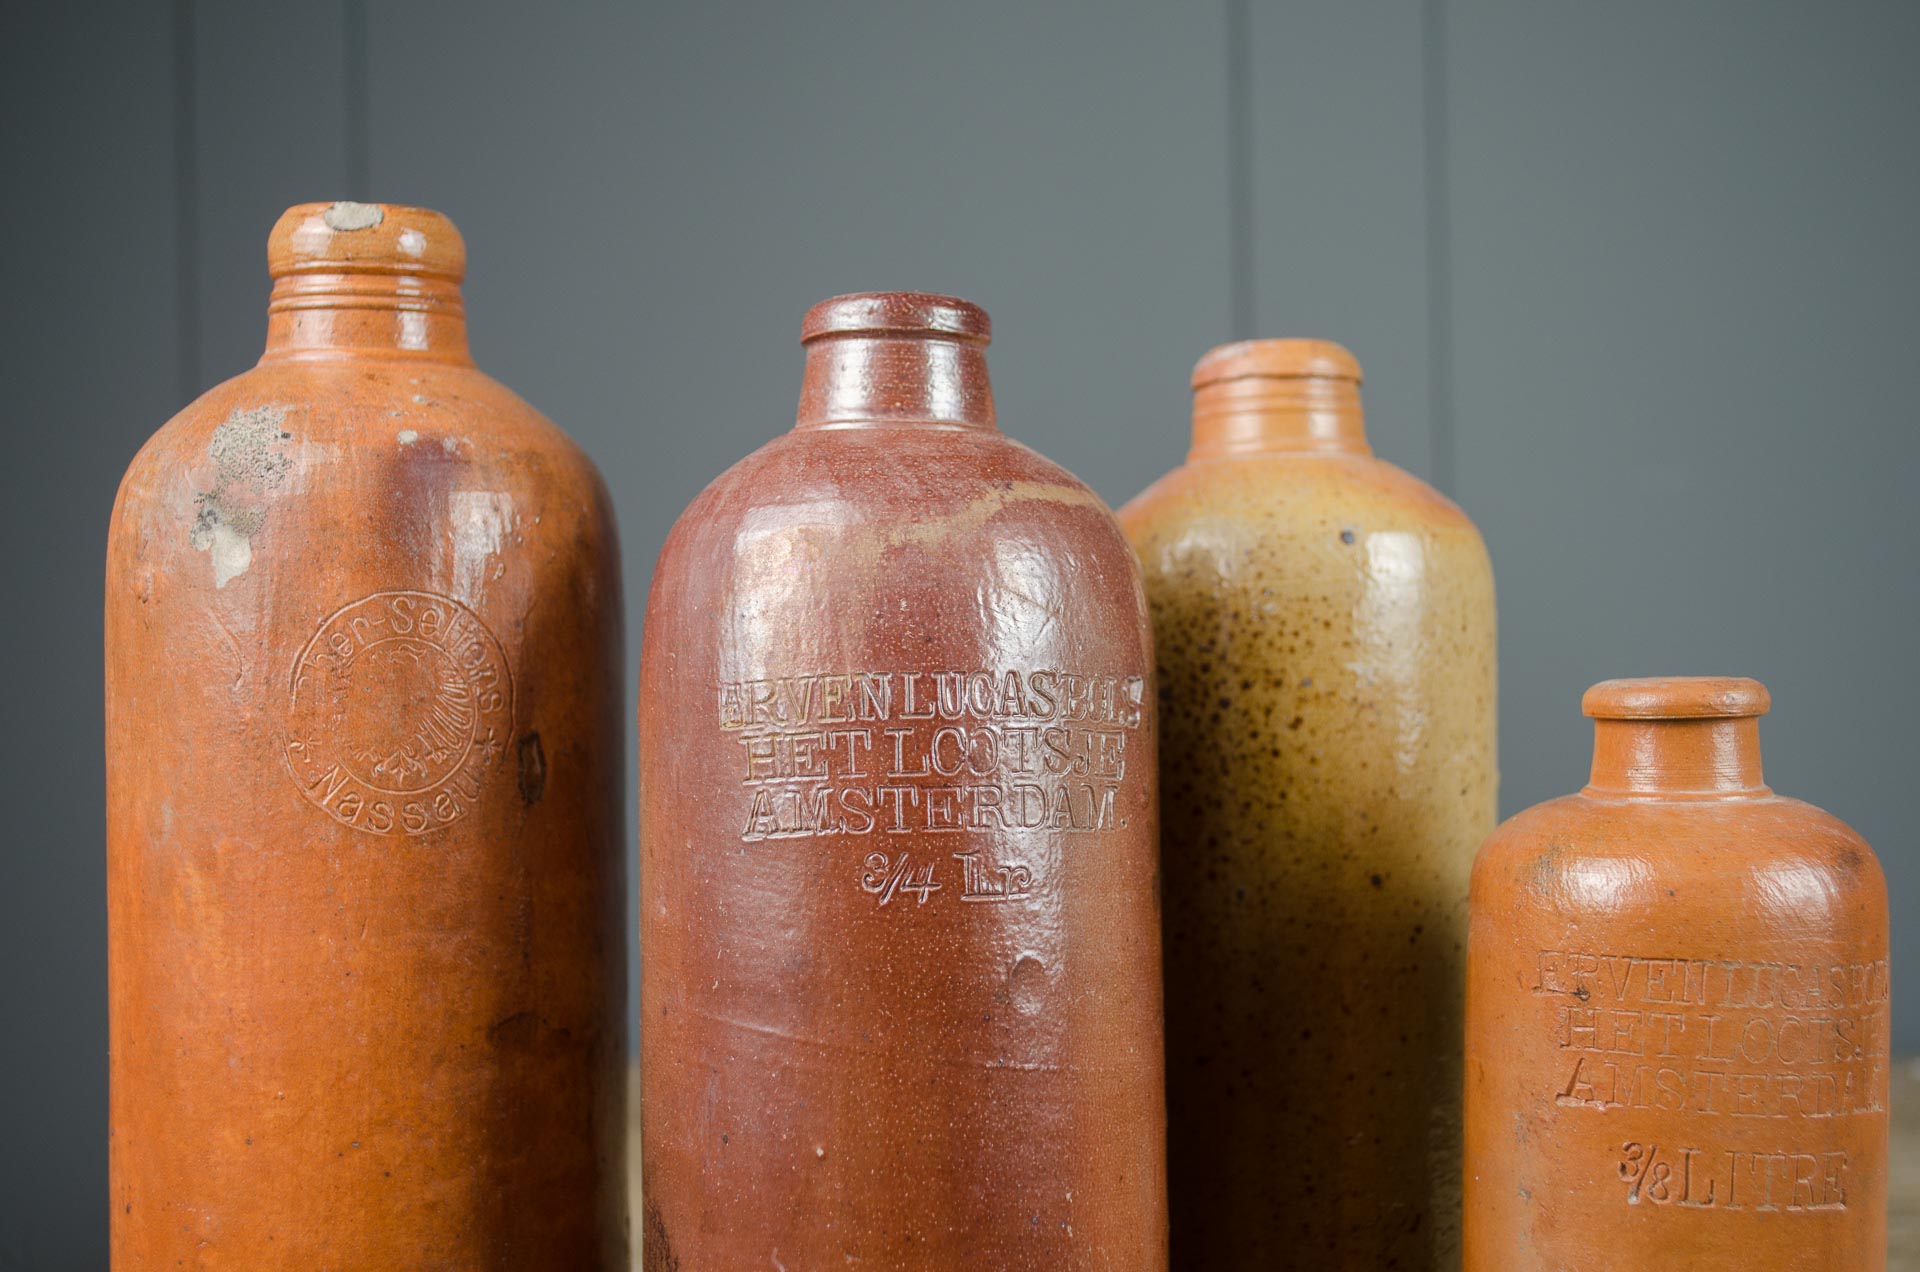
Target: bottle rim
x=1676, y=698
x=345, y=237
x=1277, y=359
x=900, y=313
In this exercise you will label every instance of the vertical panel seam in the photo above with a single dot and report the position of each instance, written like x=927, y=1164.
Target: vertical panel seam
x=1436, y=138
x=186, y=202
x=1240, y=168
x=354, y=76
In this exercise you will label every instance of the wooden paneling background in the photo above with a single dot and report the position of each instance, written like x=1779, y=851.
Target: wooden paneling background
x=1635, y=283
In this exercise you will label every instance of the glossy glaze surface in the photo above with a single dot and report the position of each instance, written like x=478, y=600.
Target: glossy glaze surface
x=900, y=999
x=1325, y=633
x=364, y=752
x=1677, y=1022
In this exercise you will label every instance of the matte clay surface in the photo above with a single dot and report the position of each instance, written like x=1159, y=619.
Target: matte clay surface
x=1677, y=1011
x=363, y=746
x=900, y=1000
x=1325, y=632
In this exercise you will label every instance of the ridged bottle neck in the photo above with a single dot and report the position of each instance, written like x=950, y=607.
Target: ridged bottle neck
x=366, y=280
x=1676, y=758
x=1676, y=737
x=853, y=380
x=895, y=358
x=1265, y=415
x=1277, y=397
x=317, y=316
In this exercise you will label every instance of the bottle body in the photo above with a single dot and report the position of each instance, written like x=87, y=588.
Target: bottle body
x=1677, y=1035
x=1324, y=628
x=900, y=994
x=366, y=972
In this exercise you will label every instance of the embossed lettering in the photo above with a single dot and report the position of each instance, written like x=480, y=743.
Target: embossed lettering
x=396, y=710
x=1785, y=1181
x=1019, y=751
x=1719, y=1036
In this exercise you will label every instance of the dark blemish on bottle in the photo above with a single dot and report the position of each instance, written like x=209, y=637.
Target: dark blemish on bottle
x=533, y=770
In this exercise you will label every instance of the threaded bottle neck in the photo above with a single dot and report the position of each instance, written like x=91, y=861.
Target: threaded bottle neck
x=1273, y=397
x=368, y=280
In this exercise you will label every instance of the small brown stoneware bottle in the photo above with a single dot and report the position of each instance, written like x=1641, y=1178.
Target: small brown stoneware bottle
x=1677, y=1035
x=900, y=986
x=1324, y=626
x=363, y=798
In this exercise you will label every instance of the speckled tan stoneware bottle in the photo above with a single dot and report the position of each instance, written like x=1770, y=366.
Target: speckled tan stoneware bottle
x=900, y=988
x=1325, y=633
x=365, y=972
x=1677, y=1011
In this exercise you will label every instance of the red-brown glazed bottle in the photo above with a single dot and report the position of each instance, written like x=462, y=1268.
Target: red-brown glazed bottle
x=1677, y=1011
x=1324, y=624
x=900, y=987
x=363, y=668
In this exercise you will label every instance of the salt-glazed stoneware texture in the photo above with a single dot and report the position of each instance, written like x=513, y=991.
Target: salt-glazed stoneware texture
x=363, y=800
x=1677, y=1046
x=1324, y=625
x=900, y=989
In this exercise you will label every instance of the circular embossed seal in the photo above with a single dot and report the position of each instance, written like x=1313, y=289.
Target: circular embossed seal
x=401, y=705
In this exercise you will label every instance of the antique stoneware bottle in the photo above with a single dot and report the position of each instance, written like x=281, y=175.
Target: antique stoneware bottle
x=1677, y=1034
x=363, y=803
x=1325, y=634
x=900, y=987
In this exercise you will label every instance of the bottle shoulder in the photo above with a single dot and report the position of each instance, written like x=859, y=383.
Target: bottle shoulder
x=1251, y=484
x=274, y=421
x=906, y=484
x=1251, y=501
x=1582, y=853
x=308, y=457
x=1321, y=525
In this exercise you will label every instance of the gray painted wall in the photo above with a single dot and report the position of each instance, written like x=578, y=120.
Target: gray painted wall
x=1634, y=282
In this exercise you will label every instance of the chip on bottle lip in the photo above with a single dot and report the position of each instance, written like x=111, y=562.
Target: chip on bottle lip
x=345, y=237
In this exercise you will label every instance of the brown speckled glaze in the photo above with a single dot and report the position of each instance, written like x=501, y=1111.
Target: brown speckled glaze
x=900, y=989
x=363, y=741
x=1324, y=625
x=1677, y=1011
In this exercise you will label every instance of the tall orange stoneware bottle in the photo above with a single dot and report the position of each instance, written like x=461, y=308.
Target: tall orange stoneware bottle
x=1324, y=625
x=900, y=987
x=363, y=801
x=1677, y=1011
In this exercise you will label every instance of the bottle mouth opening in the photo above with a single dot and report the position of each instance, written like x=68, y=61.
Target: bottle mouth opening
x=925, y=314
x=1276, y=360
x=365, y=238
x=1677, y=698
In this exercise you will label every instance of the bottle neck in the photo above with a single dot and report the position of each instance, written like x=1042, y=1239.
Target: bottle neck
x=1274, y=415
x=318, y=316
x=1699, y=758
x=889, y=378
